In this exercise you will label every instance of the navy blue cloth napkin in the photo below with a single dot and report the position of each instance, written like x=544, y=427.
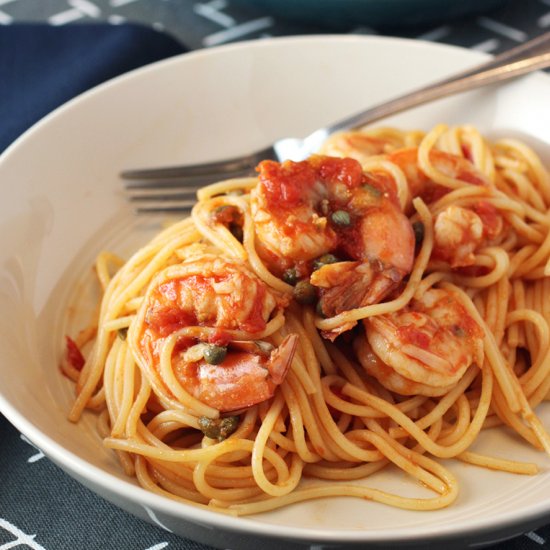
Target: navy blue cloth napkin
x=42, y=66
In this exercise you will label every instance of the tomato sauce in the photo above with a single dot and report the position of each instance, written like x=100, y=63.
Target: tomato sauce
x=491, y=219
x=412, y=335
x=74, y=355
x=286, y=181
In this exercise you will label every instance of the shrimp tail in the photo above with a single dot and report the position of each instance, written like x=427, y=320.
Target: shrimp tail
x=348, y=285
x=281, y=358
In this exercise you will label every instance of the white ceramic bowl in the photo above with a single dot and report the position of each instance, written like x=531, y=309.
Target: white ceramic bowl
x=61, y=203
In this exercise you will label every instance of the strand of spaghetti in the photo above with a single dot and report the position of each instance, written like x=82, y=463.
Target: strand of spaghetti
x=138, y=406
x=500, y=464
x=182, y=418
x=348, y=369
x=114, y=356
x=460, y=426
x=118, y=323
x=315, y=345
x=541, y=393
x=533, y=421
x=412, y=284
x=497, y=297
x=346, y=472
x=124, y=378
x=102, y=267
x=480, y=152
x=530, y=331
x=158, y=384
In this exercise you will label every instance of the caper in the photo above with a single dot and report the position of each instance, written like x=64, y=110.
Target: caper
x=458, y=331
x=122, y=333
x=236, y=231
x=290, y=276
x=319, y=310
x=324, y=260
x=218, y=428
x=418, y=228
x=214, y=355
x=305, y=292
x=227, y=426
x=341, y=218
x=371, y=189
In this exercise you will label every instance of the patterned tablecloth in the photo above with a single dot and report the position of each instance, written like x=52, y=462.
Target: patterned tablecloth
x=40, y=506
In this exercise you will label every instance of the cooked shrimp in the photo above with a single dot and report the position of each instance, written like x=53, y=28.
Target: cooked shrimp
x=242, y=379
x=459, y=232
x=218, y=307
x=424, y=348
x=304, y=211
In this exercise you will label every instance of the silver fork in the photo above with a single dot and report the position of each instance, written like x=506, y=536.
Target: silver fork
x=173, y=188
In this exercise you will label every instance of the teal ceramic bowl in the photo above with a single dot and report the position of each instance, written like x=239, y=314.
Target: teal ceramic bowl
x=376, y=13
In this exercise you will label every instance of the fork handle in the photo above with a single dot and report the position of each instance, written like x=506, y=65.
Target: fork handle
x=530, y=56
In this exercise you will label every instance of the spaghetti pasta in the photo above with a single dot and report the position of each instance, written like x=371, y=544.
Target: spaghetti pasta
x=328, y=320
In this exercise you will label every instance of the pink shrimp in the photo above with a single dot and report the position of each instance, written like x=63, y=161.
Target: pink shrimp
x=424, y=348
x=229, y=369
x=304, y=211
